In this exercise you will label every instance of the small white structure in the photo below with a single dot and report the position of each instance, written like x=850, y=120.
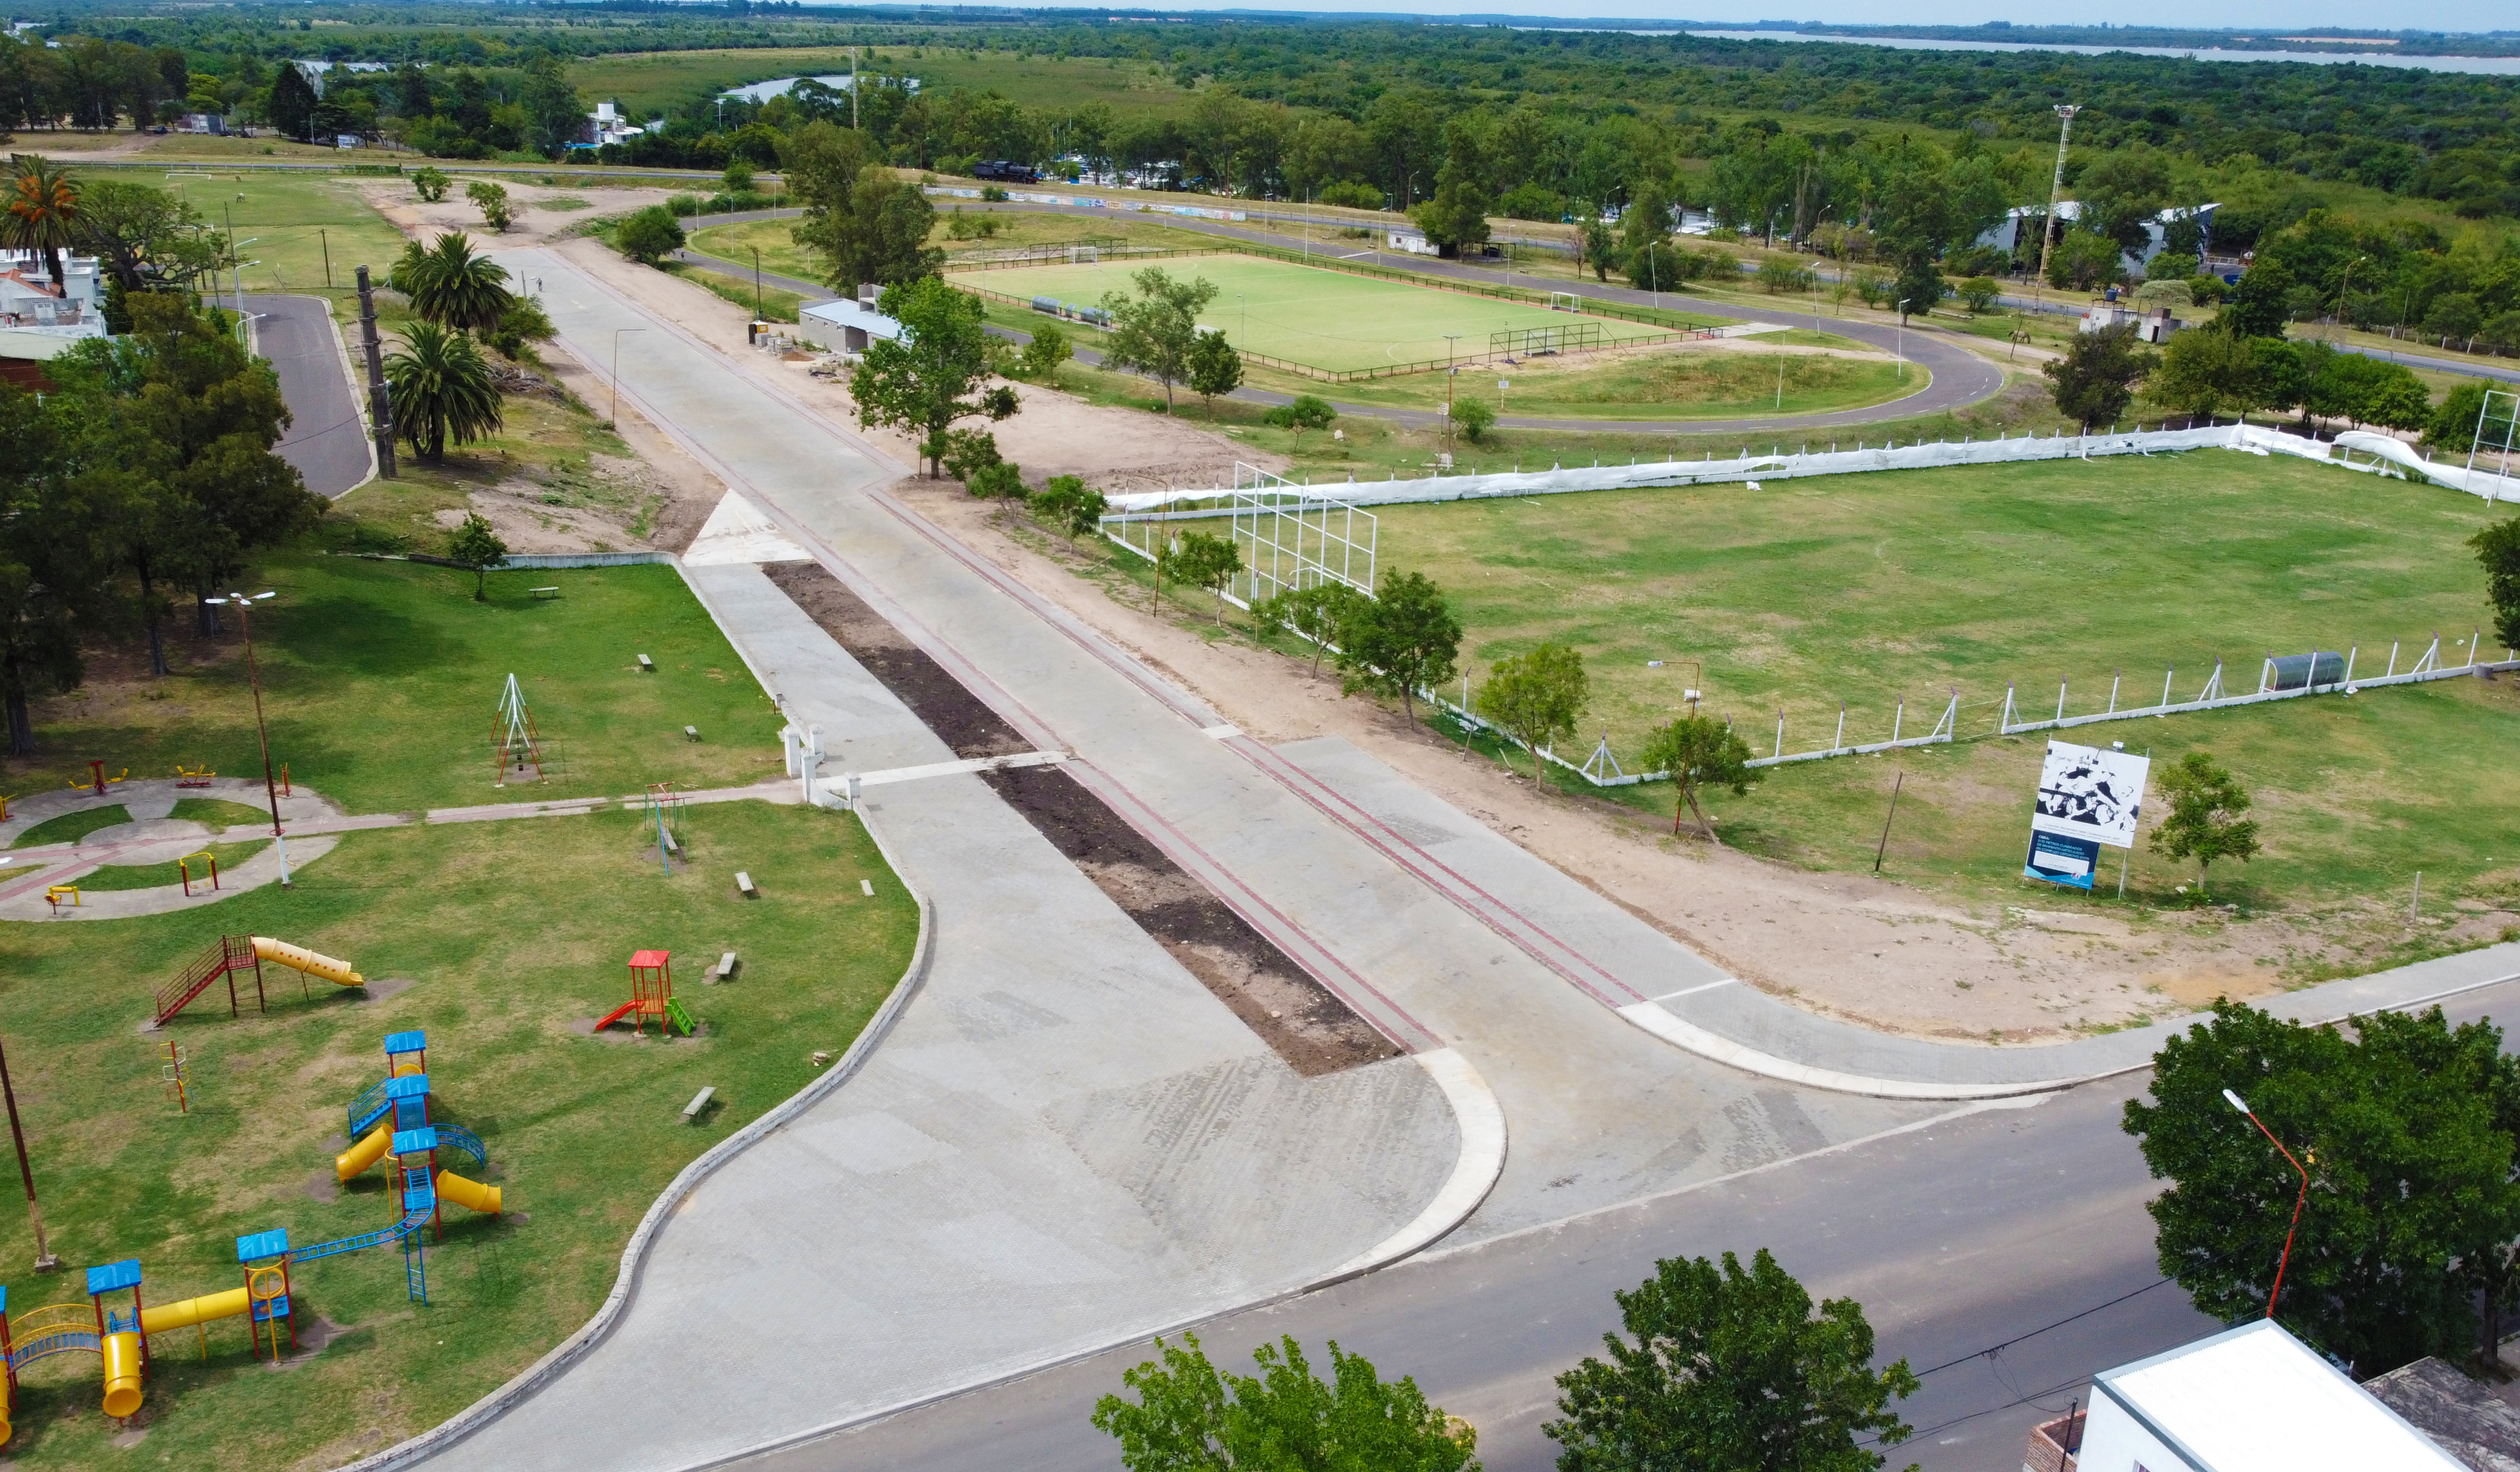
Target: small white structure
x=29, y=300
x=2249, y=1399
x=847, y=325
x=2155, y=326
x=1411, y=243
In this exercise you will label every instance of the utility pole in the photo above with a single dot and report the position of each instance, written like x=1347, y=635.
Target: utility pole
x=2055, y=192
x=326, y=241
x=379, y=398
x=853, y=89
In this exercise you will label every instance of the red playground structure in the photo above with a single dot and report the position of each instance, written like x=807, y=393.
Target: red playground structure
x=651, y=995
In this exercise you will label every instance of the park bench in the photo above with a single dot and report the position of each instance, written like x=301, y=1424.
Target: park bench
x=744, y=886
x=725, y=966
x=647, y=665
x=553, y=592
x=699, y=1101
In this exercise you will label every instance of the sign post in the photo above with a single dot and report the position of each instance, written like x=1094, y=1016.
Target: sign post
x=2088, y=797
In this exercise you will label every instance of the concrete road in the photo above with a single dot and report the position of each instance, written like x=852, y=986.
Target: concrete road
x=326, y=439
x=2003, y=1252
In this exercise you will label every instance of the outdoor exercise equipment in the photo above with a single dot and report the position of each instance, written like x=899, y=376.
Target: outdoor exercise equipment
x=171, y=1074
x=663, y=807
x=53, y=894
x=98, y=782
x=184, y=868
x=231, y=954
x=519, y=745
x=199, y=778
x=651, y=995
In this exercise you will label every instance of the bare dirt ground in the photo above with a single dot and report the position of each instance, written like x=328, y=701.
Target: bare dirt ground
x=1869, y=951
x=534, y=224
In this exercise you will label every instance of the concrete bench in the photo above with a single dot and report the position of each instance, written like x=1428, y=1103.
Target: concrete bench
x=647, y=665
x=744, y=886
x=544, y=591
x=690, y=733
x=699, y=1101
x=726, y=965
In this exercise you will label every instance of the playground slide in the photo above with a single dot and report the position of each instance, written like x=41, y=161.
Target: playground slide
x=193, y=1311
x=123, y=1353
x=472, y=1193
x=365, y=1154
x=313, y=964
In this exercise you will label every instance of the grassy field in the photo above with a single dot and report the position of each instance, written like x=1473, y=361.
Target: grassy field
x=502, y=939
x=382, y=680
x=1325, y=319
x=298, y=233
x=644, y=81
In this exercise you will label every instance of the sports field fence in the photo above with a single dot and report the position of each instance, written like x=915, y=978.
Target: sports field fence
x=1288, y=537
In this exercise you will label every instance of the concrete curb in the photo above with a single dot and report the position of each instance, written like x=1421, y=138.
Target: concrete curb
x=1689, y=1037
x=1481, y=1119
x=597, y=1329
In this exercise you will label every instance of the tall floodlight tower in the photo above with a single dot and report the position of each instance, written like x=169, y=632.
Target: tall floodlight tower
x=2055, y=189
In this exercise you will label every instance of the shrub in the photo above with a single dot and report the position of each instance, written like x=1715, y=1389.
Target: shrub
x=1003, y=480
x=1475, y=416
x=1351, y=194
x=1978, y=292
x=1041, y=357
x=1783, y=275
x=651, y=235
x=990, y=193
x=1068, y=504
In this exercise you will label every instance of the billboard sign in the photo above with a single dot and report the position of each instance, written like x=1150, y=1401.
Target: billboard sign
x=2088, y=797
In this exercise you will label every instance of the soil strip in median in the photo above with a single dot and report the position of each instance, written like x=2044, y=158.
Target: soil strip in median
x=1302, y=1021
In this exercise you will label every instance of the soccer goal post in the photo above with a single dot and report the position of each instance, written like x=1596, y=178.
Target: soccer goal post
x=1565, y=301
x=1286, y=536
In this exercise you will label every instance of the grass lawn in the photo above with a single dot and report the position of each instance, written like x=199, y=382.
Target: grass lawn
x=645, y=80
x=70, y=827
x=382, y=680
x=286, y=226
x=1325, y=319
x=773, y=303
x=152, y=875
x=512, y=936
x=218, y=812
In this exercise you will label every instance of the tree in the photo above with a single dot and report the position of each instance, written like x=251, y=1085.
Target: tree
x=877, y=236
x=2094, y=381
x=492, y=200
x=651, y=235
x=555, y=115
x=451, y=287
x=821, y=162
x=1305, y=411
x=1456, y=214
x=927, y=378
x=441, y=390
x=146, y=238
x=2206, y=374
x=1699, y=752
x=292, y=107
x=1068, y=504
x=1155, y=332
x=2407, y=1130
x=476, y=545
x=1215, y=368
x=2256, y=307
x=1729, y=1369
x=1042, y=356
x=1475, y=416
x=1920, y=286
x=1539, y=697
x=59, y=491
x=43, y=211
x=1317, y=613
x=1190, y=1417
x=2204, y=822
x=1599, y=250
x=968, y=452
x=1403, y=639
x=2498, y=547
x=1207, y=562
x=430, y=184
x=2453, y=430
x=1979, y=292
x=2085, y=261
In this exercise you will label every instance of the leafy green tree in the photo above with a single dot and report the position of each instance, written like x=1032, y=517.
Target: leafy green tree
x=524, y=320
x=1155, y=332
x=738, y=176
x=2498, y=547
x=450, y=285
x=1190, y=1417
x=1215, y=369
x=1405, y=639
x=1318, y=614
x=555, y=115
x=2257, y=306
x=2407, y=1130
x=1305, y=411
x=1729, y=1369
x=476, y=545
x=441, y=390
x=1539, y=697
x=1457, y=213
x=430, y=183
x=1919, y=286
x=1068, y=504
x=1979, y=292
x=2390, y=394
x=2094, y=381
x=293, y=103
x=43, y=210
x=650, y=234
x=492, y=200
x=1042, y=356
x=2085, y=261
x=1785, y=276
x=2207, y=373
x=879, y=237
x=146, y=239
x=1600, y=250
x=2204, y=822
x=1207, y=562
x=969, y=451
x=930, y=377
x=821, y=162
x=60, y=489
x=1699, y=752
x=2453, y=430
x=1002, y=480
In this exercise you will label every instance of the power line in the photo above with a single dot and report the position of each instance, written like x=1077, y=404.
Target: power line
x=1993, y=1349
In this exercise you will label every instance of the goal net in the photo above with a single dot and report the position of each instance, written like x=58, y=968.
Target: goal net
x=1287, y=535
x=1525, y=342
x=2497, y=434
x=1564, y=301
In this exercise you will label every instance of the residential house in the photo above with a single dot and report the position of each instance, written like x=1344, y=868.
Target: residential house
x=39, y=320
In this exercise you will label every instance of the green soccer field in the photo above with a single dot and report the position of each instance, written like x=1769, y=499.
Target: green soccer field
x=1305, y=314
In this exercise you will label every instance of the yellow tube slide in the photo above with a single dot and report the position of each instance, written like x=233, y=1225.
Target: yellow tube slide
x=365, y=1154
x=122, y=1373
x=472, y=1193
x=300, y=959
x=193, y=1311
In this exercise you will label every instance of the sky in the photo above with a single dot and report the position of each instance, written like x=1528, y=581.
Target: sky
x=2274, y=16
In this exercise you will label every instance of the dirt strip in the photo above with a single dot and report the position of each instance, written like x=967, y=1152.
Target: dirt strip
x=1301, y=1020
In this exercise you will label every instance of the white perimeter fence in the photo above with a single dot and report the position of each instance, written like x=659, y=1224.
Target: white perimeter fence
x=1292, y=524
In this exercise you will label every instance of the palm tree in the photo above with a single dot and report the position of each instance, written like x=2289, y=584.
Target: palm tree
x=441, y=387
x=450, y=285
x=43, y=204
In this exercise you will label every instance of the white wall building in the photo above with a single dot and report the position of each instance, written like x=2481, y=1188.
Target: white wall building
x=847, y=325
x=2248, y=1399
x=606, y=124
x=30, y=303
x=2009, y=234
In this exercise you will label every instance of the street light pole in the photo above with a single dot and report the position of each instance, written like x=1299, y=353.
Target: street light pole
x=1899, y=341
x=1451, y=373
x=612, y=417
x=756, y=283
x=2286, y=1260
x=254, y=677
x=2344, y=291
x=45, y=1262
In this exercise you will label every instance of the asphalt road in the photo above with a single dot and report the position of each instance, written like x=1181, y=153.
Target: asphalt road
x=326, y=439
x=2005, y=1253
